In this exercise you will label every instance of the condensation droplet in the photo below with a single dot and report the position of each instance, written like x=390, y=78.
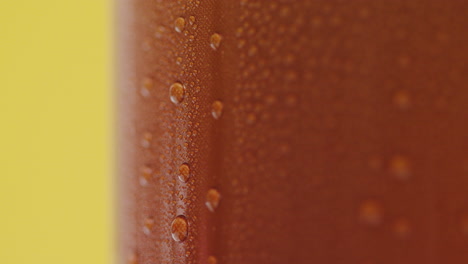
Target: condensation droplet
x=212, y=260
x=217, y=109
x=192, y=19
x=402, y=228
x=148, y=225
x=403, y=61
x=146, y=45
x=184, y=172
x=215, y=40
x=400, y=167
x=252, y=51
x=370, y=212
x=178, y=60
x=316, y=21
x=335, y=20
x=364, y=13
x=251, y=118
x=464, y=224
x=179, y=228
x=291, y=100
x=177, y=93
x=270, y=99
x=146, y=140
x=375, y=163
x=212, y=199
x=145, y=175
x=146, y=87
x=241, y=43
x=160, y=30
x=402, y=100
x=285, y=11
x=132, y=258
x=179, y=24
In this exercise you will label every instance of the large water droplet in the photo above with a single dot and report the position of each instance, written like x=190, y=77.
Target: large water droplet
x=212, y=199
x=217, y=109
x=145, y=175
x=146, y=140
x=148, y=225
x=212, y=260
x=215, y=40
x=370, y=212
x=179, y=24
x=400, y=167
x=179, y=228
x=184, y=172
x=177, y=93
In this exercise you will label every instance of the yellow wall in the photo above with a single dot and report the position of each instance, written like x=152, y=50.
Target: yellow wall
x=55, y=108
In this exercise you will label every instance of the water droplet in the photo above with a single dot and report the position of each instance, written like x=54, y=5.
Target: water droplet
x=335, y=20
x=179, y=228
x=192, y=19
x=160, y=30
x=289, y=59
x=364, y=13
x=252, y=51
x=212, y=260
x=217, y=109
x=291, y=100
x=464, y=224
x=148, y=225
x=179, y=60
x=212, y=199
x=215, y=40
x=177, y=93
x=290, y=76
x=370, y=212
x=251, y=118
x=404, y=61
x=184, y=172
x=146, y=140
x=402, y=100
x=375, y=163
x=179, y=24
x=285, y=11
x=146, y=45
x=132, y=258
x=145, y=175
x=270, y=99
x=317, y=21
x=402, y=228
x=400, y=167
x=146, y=87
x=241, y=43
x=239, y=31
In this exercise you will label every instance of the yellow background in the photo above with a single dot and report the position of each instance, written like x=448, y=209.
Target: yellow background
x=55, y=131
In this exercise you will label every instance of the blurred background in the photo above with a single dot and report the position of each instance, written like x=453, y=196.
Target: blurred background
x=55, y=136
